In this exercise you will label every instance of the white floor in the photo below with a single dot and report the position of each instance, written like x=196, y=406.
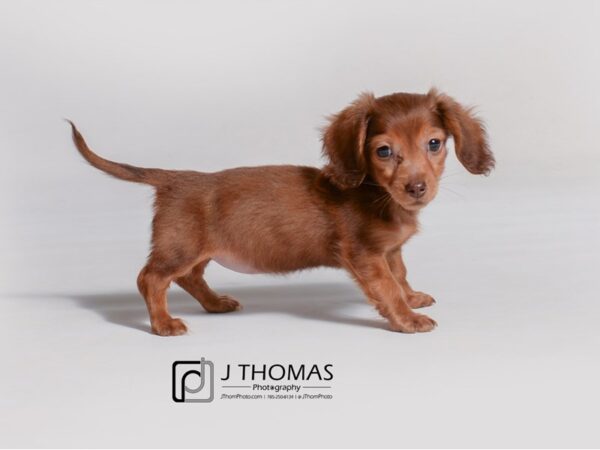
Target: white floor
x=514, y=361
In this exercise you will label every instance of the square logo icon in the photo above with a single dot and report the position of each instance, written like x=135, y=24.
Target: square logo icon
x=193, y=381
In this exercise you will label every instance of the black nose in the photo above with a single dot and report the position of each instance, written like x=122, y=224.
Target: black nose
x=416, y=190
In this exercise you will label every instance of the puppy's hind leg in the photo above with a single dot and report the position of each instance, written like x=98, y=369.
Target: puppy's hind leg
x=153, y=282
x=193, y=282
x=174, y=253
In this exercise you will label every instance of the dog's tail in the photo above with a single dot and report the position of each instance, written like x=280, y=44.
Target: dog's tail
x=125, y=172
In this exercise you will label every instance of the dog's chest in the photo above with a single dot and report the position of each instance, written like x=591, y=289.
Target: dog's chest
x=406, y=232
x=393, y=237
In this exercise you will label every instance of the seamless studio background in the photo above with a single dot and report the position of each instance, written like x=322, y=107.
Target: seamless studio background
x=512, y=258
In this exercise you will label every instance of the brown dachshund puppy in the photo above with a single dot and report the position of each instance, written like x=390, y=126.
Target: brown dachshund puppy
x=385, y=157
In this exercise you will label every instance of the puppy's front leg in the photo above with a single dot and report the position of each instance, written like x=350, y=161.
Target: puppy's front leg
x=374, y=276
x=414, y=299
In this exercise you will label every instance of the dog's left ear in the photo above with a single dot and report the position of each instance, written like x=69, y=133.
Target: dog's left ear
x=470, y=138
x=344, y=143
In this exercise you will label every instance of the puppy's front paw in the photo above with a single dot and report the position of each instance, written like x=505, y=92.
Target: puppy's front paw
x=414, y=323
x=169, y=327
x=420, y=300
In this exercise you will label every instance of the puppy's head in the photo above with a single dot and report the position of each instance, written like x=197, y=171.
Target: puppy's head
x=399, y=142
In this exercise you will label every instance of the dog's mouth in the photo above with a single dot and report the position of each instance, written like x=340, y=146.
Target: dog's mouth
x=415, y=205
x=411, y=204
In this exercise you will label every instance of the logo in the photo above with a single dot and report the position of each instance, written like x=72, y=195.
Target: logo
x=193, y=381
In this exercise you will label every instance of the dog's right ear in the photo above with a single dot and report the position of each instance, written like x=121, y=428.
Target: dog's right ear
x=344, y=143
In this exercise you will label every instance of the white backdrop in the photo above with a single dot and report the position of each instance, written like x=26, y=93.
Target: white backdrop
x=512, y=259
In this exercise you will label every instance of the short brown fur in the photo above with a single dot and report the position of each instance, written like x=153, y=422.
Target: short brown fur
x=355, y=213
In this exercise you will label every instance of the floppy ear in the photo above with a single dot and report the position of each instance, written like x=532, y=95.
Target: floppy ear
x=470, y=138
x=344, y=143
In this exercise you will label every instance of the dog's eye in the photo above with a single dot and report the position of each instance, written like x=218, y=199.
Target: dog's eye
x=434, y=145
x=384, y=152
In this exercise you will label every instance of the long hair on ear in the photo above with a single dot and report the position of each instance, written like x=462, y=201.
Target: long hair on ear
x=344, y=143
x=470, y=137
